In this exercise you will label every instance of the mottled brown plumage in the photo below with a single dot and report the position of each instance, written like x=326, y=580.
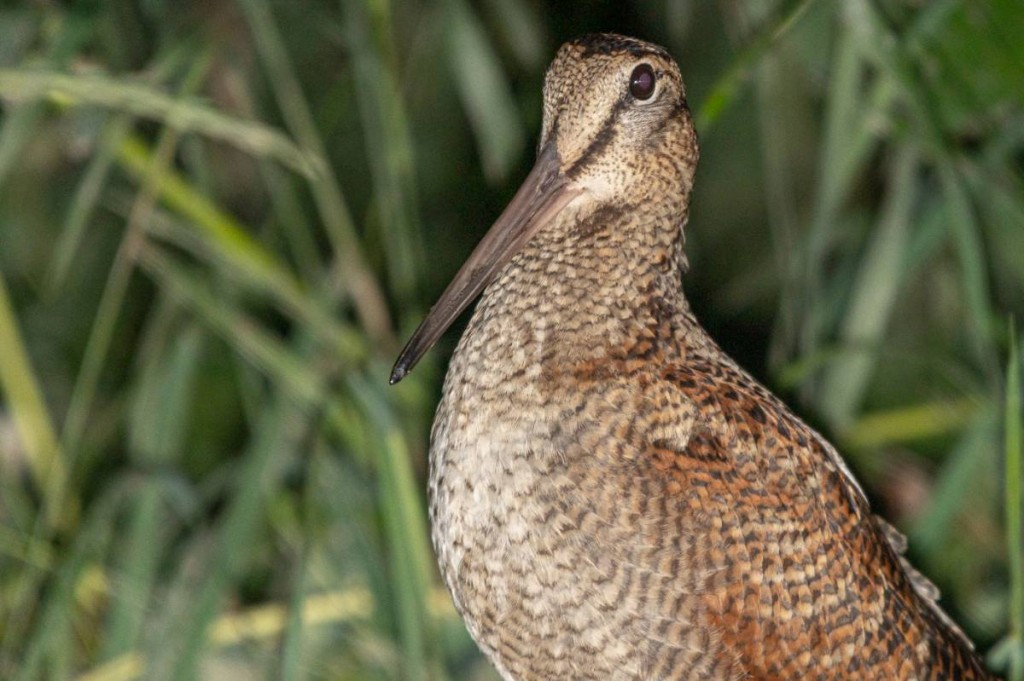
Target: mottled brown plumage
x=611, y=496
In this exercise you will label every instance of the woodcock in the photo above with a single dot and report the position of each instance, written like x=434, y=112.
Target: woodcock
x=611, y=496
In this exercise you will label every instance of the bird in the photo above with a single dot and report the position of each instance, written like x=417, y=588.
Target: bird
x=611, y=496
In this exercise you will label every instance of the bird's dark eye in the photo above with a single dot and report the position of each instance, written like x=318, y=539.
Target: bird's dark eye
x=641, y=82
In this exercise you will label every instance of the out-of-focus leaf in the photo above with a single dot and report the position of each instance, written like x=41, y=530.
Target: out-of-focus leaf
x=906, y=424
x=728, y=85
x=1013, y=424
x=147, y=102
x=24, y=397
x=521, y=30
x=485, y=92
x=246, y=336
x=389, y=151
x=350, y=266
x=954, y=485
x=873, y=296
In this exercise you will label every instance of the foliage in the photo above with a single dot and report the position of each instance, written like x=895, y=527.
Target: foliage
x=218, y=221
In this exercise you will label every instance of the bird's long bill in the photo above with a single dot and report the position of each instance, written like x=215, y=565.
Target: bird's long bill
x=544, y=193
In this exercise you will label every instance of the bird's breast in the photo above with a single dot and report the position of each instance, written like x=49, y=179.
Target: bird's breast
x=560, y=543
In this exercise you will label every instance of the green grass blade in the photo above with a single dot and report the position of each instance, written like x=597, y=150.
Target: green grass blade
x=111, y=301
x=293, y=223
x=24, y=397
x=136, y=568
x=388, y=148
x=522, y=31
x=914, y=422
x=291, y=647
x=350, y=266
x=47, y=653
x=405, y=528
x=965, y=463
x=135, y=157
x=241, y=332
x=159, y=421
x=225, y=243
x=485, y=92
x=873, y=297
x=164, y=391
x=849, y=141
x=97, y=175
x=265, y=278
x=84, y=201
x=894, y=57
x=144, y=101
x=19, y=121
x=973, y=269
x=727, y=87
x=282, y=427
x=1014, y=464
x=18, y=127
x=118, y=279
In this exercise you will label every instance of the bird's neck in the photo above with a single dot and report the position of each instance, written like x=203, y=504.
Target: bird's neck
x=599, y=287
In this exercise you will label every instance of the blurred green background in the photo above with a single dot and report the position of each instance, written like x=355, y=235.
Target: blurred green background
x=219, y=220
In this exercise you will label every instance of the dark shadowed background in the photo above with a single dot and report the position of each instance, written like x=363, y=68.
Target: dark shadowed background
x=219, y=220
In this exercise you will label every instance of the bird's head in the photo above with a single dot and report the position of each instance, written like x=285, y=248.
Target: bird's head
x=617, y=130
x=616, y=115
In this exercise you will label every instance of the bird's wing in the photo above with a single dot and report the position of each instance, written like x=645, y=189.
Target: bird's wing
x=801, y=575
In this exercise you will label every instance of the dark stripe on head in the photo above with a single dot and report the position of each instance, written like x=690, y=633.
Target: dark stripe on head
x=601, y=140
x=610, y=43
